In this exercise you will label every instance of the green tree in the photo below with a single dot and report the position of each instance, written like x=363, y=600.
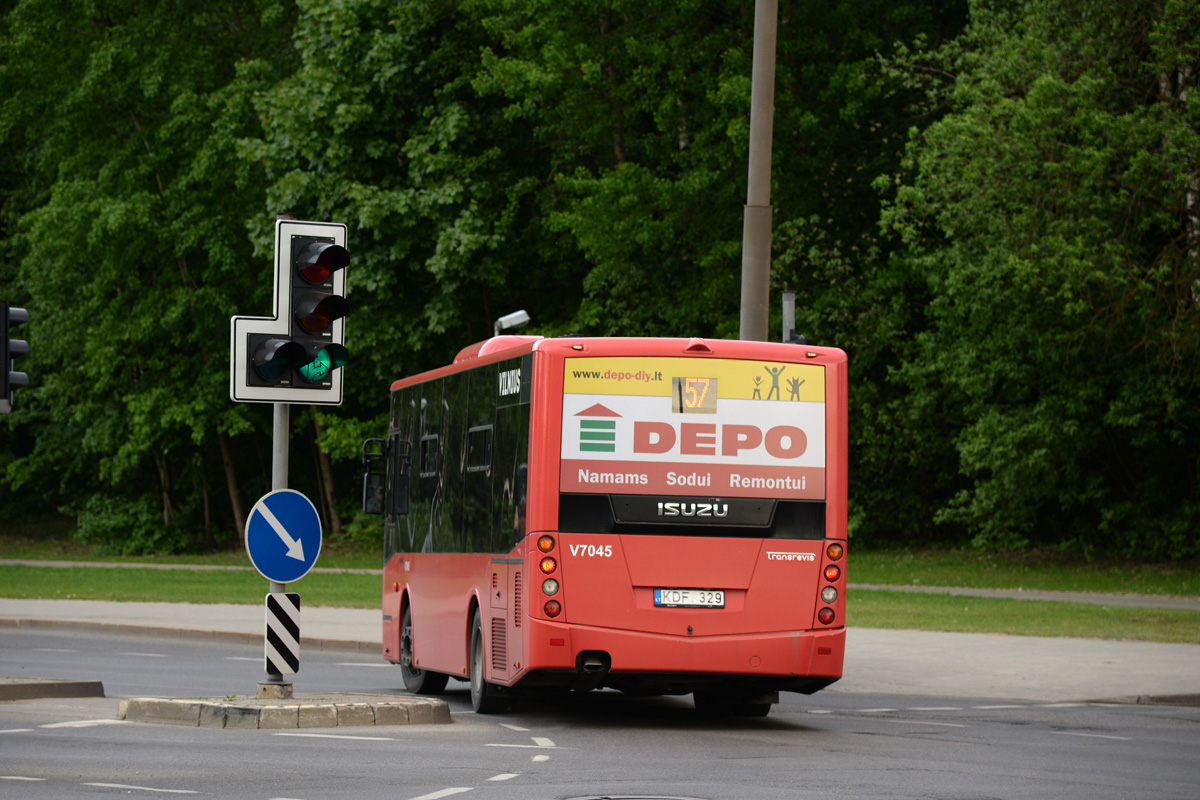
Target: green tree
x=132, y=245
x=1052, y=217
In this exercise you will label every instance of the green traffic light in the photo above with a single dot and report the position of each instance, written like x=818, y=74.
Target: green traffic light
x=326, y=360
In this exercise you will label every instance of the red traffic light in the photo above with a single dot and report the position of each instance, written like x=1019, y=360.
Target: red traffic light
x=314, y=311
x=317, y=260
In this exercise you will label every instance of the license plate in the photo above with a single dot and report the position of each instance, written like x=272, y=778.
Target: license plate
x=689, y=598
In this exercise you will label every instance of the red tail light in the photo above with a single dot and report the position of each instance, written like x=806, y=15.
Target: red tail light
x=825, y=616
x=833, y=572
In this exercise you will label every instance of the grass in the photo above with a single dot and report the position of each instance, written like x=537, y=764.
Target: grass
x=1024, y=570
x=129, y=584
x=940, y=612
x=29, y=545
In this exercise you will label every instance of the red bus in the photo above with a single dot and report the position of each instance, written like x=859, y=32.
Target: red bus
x=658, y=516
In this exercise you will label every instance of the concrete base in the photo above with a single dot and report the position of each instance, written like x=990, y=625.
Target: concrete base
x=274, y=691
x=306, y=711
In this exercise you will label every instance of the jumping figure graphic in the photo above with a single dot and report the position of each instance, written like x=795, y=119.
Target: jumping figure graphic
x=774, y=373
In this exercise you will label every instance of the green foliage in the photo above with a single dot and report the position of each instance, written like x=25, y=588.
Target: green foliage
x=991, y=206
x=121, y=526
x=132, y=247
x=1052, y=217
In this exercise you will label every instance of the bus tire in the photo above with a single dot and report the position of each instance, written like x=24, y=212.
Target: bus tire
x=416, y=680
x=485, y=697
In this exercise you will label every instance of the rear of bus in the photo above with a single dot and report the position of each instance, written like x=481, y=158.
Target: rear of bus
x=690, y=531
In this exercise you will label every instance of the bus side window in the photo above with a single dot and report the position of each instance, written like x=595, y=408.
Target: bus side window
x=398, y=469
x=429, y=456
x=479, y=449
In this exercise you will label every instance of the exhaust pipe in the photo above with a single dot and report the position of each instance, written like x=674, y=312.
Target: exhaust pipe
x=592, y=663
x=593, y=667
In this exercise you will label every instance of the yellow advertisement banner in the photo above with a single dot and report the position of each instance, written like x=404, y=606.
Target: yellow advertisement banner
x=695, y=383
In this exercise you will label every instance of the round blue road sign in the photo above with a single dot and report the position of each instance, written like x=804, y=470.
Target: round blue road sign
x=283, y=536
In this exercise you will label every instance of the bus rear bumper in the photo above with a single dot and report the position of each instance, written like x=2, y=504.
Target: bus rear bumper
x=802, y=661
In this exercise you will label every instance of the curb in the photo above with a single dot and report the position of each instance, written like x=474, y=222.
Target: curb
x=1181, y=700
x=39, y=688
x=342, y=645
x=320, y=711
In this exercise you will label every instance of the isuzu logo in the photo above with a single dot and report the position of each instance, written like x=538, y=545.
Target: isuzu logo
x=718, y=512
x=670, y=509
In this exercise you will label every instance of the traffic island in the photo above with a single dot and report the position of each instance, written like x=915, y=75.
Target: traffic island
x=39, y=688
x=302, y=711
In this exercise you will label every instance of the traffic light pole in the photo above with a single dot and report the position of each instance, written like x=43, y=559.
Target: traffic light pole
x=279, y=480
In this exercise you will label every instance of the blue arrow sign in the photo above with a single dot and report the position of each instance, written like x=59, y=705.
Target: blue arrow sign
x=283, y=536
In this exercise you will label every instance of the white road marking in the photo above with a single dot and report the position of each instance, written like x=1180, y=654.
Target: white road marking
x=540, y=758
x=1062, y=705
x=876, y=710
x=992, y=708
x=145, y=655
x=86, y=723
x=503, y=776
x=54, y=650
x=513, y=727
x=936, y=708
x=243, y=658
x=338, y=736
x=922, y=722
x=518, y=746
x=538, y=742
x=18, y=778
x=1094, y=736
x=361, y=664
x=140, y=788
x=443, y=793
x=819, y=711
x=17, y=730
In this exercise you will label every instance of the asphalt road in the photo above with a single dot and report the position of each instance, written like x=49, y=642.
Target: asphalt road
x=832, y=744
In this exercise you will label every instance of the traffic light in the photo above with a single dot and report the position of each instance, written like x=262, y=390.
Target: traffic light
x=296, y=355
x=10, y=348
x=316, y=305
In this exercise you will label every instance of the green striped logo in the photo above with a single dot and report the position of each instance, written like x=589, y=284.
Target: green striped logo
x=598, y=435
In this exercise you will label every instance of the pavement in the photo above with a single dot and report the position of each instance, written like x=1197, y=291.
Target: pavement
x=906, y=662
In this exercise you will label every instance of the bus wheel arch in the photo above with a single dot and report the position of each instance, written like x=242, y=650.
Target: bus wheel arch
x=416, y=680
x=486, y=698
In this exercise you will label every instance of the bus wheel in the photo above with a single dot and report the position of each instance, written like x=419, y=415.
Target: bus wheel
x=485, y=697
x=416, y=680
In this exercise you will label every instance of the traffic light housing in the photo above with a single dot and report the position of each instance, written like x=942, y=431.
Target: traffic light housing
x=296, y=355
x=10, y=348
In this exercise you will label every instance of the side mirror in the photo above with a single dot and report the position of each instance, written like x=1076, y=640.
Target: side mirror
x=385, y=482
x=374, y=460
x=373, y=492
